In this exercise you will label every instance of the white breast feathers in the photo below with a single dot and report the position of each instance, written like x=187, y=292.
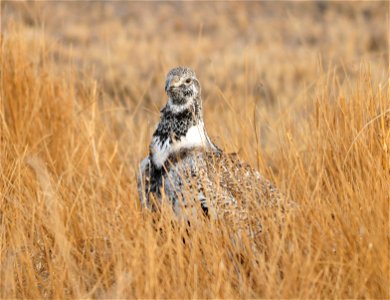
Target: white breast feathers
x=195, y=137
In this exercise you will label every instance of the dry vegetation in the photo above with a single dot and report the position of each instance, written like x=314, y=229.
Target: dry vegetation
x=301, y=91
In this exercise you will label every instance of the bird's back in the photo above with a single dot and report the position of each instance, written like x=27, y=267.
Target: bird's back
x=221, y=184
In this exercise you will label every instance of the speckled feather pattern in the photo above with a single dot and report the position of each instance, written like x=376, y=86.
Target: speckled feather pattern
x=195, y=175
x=174, y=126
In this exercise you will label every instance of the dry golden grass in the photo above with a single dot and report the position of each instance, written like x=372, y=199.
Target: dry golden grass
x=71, y=139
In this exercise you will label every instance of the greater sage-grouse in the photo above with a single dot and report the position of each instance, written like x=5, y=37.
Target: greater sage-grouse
x=185, y=167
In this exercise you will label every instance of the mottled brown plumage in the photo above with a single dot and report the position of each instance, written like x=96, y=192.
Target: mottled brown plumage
x=186, y=168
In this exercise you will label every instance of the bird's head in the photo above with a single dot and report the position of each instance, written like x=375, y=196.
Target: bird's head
x=182, y=87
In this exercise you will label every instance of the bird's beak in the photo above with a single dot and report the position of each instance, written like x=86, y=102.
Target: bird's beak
x=172, y=83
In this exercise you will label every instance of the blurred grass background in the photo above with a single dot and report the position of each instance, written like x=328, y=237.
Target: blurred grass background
x=299, y=90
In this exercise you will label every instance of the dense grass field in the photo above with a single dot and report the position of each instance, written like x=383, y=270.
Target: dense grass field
x=300, y=91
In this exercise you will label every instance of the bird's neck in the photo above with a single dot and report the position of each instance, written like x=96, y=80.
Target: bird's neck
x=178, y=130
x=192, y=108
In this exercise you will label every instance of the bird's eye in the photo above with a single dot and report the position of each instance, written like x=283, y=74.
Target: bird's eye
x=188, y=80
